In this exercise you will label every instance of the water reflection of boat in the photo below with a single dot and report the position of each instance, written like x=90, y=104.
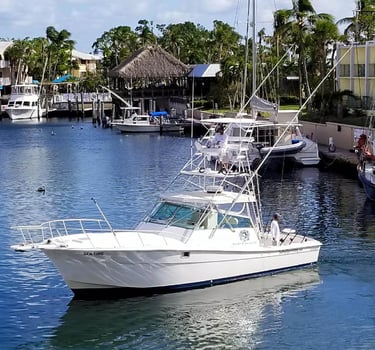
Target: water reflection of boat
x=229, y=312
x=364, y=218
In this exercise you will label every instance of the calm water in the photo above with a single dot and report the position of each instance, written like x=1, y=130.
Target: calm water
x=329, y=306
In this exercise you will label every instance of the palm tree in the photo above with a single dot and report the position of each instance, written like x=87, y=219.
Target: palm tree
x=116, y=45
x=59, y=51
x=322, y=44
x=223, y=40
x=38, y=57
x=360, y=27
x=18, y=54
x=145, y=32
x=296, y=25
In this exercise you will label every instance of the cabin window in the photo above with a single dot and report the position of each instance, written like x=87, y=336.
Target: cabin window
x=26, y=103
x=141, y=119
x=231, y=221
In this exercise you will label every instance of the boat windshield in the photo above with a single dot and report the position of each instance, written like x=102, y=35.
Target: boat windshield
x=190, y=217
x=176, y=215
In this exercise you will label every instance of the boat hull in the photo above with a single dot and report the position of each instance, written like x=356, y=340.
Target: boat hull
x=24, y=113
x=304, y=152
x=132, y=128
x=366, y=178
x=129, y=128
x=92, y=274
x=292, y=148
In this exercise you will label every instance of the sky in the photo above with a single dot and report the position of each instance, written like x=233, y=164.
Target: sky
x=88, y=20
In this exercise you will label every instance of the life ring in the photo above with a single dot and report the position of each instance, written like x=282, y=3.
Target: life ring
x=202, y=170
x=332, y=148
x=244, y=235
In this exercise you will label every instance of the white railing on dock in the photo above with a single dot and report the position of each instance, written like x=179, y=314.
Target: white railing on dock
x=88, y=97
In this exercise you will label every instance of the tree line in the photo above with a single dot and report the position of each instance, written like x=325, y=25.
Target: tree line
x=308, y=38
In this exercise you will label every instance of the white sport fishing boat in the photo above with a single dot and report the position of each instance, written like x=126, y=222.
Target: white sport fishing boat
x=275, y=140
x=24, y=102
x=206, y=229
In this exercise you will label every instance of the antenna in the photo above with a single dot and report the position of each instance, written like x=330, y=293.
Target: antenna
x=246, y=55
x=192, y=122
x=102, y=214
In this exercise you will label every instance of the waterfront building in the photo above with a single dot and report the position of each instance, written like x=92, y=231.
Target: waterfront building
x=356, y=73
x=86, y=63
x=5, y=70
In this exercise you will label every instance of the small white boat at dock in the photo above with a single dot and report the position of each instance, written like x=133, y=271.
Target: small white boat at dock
x=147, y=123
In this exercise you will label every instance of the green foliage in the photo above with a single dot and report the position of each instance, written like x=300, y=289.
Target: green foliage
x=289, y=100
x=186, y=41
x=59, y=52
x=92, y=82
x=116, y=45
x=361, y=27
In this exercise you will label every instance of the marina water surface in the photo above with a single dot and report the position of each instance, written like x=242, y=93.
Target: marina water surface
x=330, y=305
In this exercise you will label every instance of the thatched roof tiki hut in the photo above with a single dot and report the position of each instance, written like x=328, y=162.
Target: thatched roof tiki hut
x=150, y=73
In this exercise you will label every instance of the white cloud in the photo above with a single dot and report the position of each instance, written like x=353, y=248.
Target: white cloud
x=218, y=6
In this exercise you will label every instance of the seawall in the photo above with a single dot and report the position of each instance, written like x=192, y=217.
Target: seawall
x=341, y=160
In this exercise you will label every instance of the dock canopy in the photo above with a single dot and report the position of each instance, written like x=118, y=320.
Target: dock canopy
x=151, y=62
x=62, y=79
x=159, y=114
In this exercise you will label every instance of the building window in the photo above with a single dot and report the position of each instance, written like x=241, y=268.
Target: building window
x=359, y=70
x=371, y=70
x=345, y=70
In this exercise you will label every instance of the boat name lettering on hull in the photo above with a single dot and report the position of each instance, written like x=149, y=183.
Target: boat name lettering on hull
x=93, y=253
